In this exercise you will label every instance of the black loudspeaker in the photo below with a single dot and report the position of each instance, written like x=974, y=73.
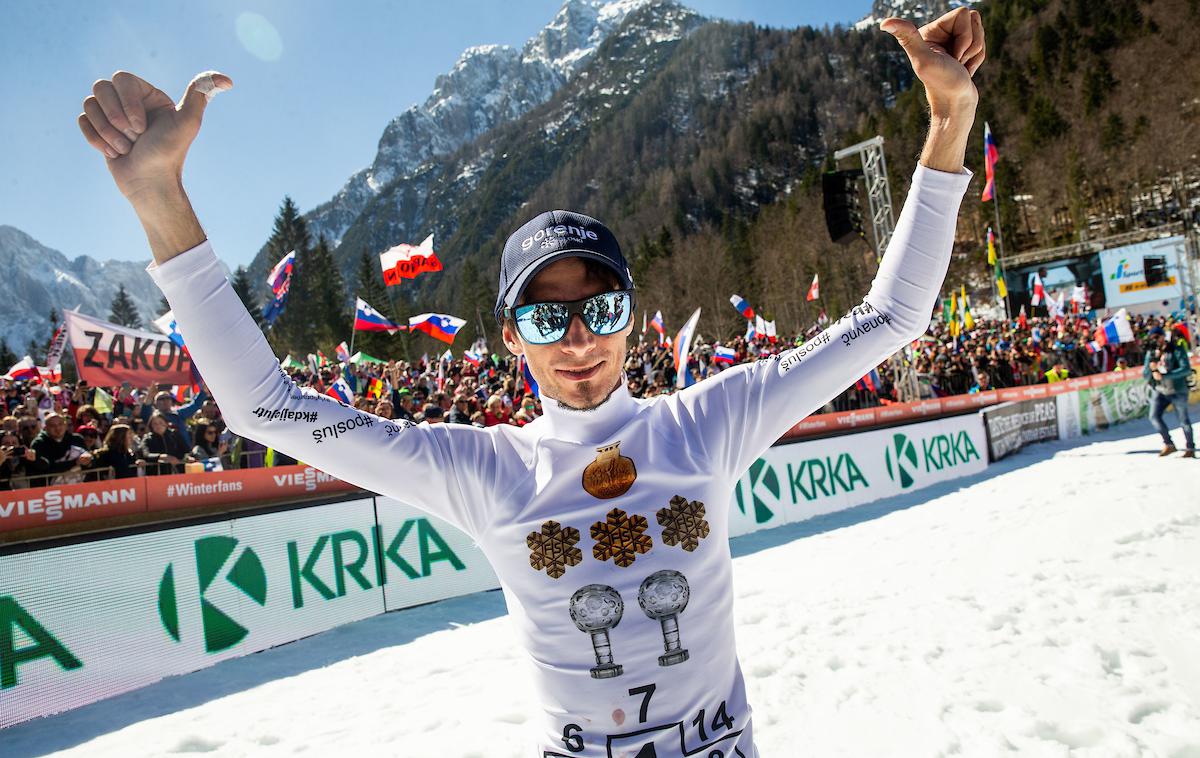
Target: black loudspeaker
x=1155, y=267
x=843, y=214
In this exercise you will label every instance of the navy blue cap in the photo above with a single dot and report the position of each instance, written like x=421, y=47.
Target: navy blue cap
x=552, y=236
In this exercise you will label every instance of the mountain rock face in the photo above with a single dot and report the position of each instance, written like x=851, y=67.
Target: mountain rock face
x=40, y=278
x=920, y=12
x=489, y=85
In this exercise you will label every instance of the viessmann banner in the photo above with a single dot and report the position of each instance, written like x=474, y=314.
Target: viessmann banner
x=795, y=482
x=84, y=622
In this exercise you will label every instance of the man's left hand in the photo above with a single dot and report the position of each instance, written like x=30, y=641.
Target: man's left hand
x=944, y=54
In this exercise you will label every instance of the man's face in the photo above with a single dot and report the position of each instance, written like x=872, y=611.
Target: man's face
x=56, y=427
x=28, y=429
x=162, y=402
x=582, y=369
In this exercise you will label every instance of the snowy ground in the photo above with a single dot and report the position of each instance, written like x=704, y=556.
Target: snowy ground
x=1048, y=607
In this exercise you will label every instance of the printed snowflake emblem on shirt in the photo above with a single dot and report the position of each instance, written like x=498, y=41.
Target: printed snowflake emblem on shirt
x=553, y=549
x=620, y=537
x=683, y=523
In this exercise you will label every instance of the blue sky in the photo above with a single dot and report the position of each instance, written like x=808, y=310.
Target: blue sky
x=306, y=111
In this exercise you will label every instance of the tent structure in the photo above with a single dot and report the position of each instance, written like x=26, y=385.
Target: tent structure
x=361, y=357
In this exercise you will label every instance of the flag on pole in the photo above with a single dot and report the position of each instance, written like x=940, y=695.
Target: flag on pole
x=814, y=289
x=1001, y=287
x=280, y=276
x=408, y=261
x=968, y=320
x=341, y=390
x=102, y=401
x=1114, y=330
x=750, y=332
x=991, y=247
x=1039, y=291
x=22, y=370
x=57, y=344
x=990, y=155
x=770, y=325
x=437, y=325
x=723, y=354
x=374, y=388
x=742, y=306
x=367, y=319
x=531, y=385
x=280, y=282
x=166, y=324
x=869, y=382
x=682, y=348
x=656, y=324
x=342, y=352
x=472, y=357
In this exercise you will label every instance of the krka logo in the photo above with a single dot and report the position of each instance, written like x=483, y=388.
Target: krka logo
x=769, y=480
x=941, y=451
x=221, y=632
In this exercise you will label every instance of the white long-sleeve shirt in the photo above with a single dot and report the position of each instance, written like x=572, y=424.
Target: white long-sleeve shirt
x=614, y=561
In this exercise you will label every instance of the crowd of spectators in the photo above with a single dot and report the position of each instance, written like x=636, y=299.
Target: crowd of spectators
x=55, y=434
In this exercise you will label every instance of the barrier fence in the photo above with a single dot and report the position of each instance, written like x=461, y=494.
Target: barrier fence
x=72, y=503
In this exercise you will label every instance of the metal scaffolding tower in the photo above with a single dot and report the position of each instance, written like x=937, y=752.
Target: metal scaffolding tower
x=879, y=195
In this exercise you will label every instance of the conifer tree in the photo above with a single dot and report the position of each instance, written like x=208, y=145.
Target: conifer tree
x=123, y=311
x=245, y=290
x=295, y=329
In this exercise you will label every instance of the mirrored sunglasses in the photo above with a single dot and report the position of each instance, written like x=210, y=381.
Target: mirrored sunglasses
x=546, y=323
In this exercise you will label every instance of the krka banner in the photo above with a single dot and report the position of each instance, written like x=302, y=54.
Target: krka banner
x=108, y=354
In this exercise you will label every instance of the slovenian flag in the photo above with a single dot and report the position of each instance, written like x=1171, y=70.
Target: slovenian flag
x=166, y=324
x=341, y=390
x=342, y=352
x=990, y=155
x=437, y=325
x=280, y=276
x=367, y=319
x=472, y=357
x=683, y=348
x=814, y=289
x=531, y=385
x=1114, y=330
x=724, y=355
x=656, y=324
x=742, y=306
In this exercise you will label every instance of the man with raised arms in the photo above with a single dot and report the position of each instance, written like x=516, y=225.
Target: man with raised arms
x=606, y=520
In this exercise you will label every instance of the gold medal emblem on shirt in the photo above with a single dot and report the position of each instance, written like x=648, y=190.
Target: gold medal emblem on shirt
x=610, y=474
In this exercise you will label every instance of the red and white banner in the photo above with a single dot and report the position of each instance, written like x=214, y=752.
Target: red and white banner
x=108, y=354
x=57, y=343
x=407, y=261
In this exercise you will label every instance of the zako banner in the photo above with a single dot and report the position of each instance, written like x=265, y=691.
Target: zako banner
x=109, y=354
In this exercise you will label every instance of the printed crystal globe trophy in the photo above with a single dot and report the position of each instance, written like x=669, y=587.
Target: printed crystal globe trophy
x=663, y=596
x=596, y=608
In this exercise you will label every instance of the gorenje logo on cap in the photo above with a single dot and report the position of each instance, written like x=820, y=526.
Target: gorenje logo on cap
x=570, y=232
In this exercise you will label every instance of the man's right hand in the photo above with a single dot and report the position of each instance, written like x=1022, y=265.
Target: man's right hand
x=143, y=134
x=145, y=138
